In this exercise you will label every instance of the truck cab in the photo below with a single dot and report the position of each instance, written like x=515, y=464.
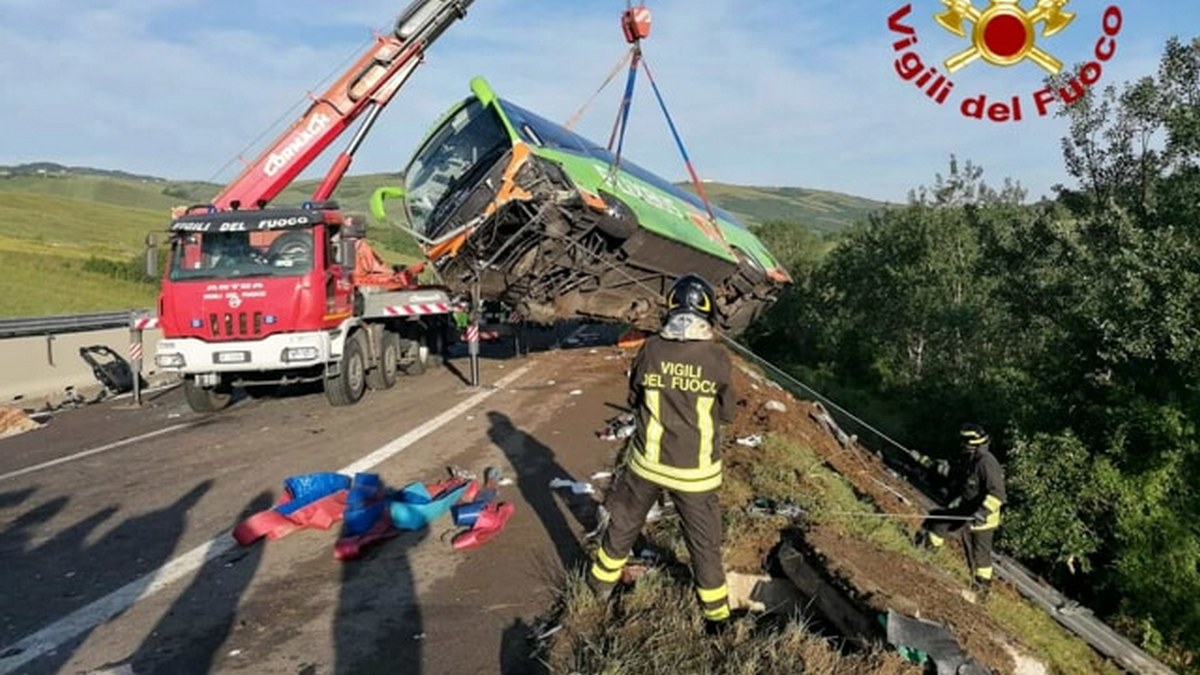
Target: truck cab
x=262, y=298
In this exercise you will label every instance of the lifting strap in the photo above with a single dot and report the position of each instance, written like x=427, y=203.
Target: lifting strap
x=608, y=80
x=635, y=23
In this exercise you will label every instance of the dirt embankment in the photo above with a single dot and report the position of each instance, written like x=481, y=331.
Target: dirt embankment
x=874, y=576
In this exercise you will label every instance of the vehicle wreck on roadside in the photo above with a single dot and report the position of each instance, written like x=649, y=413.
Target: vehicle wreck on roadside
x=549, y=223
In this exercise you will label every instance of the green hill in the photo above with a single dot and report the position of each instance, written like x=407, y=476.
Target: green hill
x=64, y=254
x=822, y=211
x=86, y=227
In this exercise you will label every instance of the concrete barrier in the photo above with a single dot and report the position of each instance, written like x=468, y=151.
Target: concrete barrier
x=48, y=367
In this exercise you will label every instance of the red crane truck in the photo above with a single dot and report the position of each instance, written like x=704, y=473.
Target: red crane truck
x=256, y=296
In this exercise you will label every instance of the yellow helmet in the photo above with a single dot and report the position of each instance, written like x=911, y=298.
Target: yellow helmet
x=973, y=435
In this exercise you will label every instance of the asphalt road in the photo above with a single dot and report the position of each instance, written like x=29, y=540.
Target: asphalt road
x=114, y=547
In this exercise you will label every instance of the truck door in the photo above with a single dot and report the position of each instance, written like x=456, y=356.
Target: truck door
x=339, y=289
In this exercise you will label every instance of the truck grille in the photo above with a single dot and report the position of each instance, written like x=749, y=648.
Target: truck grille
x=235, y=324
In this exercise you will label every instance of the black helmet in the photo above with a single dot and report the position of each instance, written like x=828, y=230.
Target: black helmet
x=973, y=436
x=691, y=294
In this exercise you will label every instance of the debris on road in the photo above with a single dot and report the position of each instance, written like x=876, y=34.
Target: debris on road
x=315, y=500
x=577, y=487
x=371, y=513
x=366, y=520
x=482, y=513
x=752, y=441
x=15, y=421
x=491, y=521
x=618, y=428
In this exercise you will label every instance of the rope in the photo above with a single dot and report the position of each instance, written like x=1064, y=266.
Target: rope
x=608, y=80
x=687, y=161
x=623, y=112
x=744, y=350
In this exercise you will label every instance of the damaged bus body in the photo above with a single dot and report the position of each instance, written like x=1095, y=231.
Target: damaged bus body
x=537, y=214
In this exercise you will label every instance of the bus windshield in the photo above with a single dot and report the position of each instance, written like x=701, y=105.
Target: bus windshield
x=460, y=151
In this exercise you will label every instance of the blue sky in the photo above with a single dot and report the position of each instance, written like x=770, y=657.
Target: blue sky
x=771, y=92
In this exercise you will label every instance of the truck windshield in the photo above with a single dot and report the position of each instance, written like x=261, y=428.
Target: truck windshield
x=457, y=154
x=226, y=255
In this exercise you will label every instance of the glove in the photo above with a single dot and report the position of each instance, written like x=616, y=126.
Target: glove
x=980, y=517
x=939, y=466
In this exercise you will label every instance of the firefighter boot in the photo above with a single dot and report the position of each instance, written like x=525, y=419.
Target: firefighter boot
x=601, y=591
x=924, y=539
x=982, y=588
x=715, y=629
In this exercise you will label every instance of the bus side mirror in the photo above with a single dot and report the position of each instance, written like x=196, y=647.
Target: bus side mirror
x=379, y=196
x=151, y=256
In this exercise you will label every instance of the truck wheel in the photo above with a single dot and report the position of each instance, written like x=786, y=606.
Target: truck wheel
x=203, y=400
x=383, y=375
x=347, y=387
x=437, y=341
x=418, y=354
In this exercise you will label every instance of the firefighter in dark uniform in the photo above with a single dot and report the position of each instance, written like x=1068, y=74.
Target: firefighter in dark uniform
x=680, y=394
x=977, y=483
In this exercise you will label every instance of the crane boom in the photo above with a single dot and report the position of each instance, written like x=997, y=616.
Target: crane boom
x=366, y=87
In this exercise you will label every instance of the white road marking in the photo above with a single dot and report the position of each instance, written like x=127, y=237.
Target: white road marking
x=95, y=451
x=67, y=628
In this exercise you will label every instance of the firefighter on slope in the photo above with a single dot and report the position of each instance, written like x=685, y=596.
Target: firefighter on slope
x=977, y=484
x=680, y=393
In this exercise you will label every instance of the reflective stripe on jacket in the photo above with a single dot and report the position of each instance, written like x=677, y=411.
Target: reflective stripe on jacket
x=680, y=392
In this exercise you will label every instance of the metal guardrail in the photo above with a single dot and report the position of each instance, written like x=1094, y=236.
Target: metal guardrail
x=69, y=323
x=1074, y=617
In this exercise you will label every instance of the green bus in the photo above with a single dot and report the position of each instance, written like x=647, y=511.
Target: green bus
x=538, y=217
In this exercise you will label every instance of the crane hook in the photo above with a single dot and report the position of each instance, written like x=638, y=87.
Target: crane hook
x=635, y=23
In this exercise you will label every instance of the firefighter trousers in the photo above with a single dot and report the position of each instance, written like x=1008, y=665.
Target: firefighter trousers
x=628, y=505
x=976, y=543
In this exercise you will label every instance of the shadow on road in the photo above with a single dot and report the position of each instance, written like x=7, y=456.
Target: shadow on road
x=46, y=581
x=515, y=656
x=535, y=465
x=378, y=626
x=188, y=637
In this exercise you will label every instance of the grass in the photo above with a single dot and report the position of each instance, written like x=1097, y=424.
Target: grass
x=827, y=493
x=45, y=238
x=147, y=195
x=656, y=627
x=49, y=224
x=42, y=283
x=1062, y=651
x=778, y=467
x=66, y=223
x=823, y=211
